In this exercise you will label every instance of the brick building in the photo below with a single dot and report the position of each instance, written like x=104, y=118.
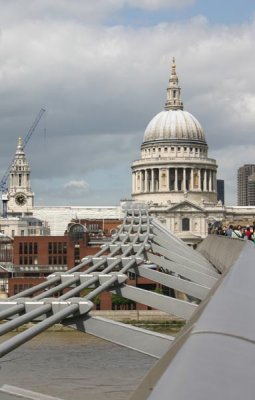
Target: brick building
x=35, y=257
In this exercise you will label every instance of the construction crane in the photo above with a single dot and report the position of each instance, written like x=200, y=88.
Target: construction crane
x=3, y=182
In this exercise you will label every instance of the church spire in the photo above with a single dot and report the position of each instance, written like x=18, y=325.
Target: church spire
x=173, y=96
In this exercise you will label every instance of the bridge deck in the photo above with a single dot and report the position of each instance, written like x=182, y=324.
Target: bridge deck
x=140, y=242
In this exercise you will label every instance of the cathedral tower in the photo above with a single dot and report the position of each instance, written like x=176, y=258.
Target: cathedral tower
x=21, y=198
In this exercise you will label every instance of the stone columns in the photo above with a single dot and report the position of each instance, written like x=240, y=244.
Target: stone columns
x=210, y=180
x=152, y=180
x=205, y=181
x=163, y=179
x=133, y=182
x=184, y=180
x=146, y=180
x=176, y=179
x=199, y=179
x=214, y=181
x=138, y=181
x=192, y=179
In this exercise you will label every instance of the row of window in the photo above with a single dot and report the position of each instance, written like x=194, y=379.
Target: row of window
x=93, y=227
x=28, y=260
x=57, y=248
x=52, y=260
x=19, y=288
x=28, y=248
x=57, y=260
x=173, y=149
x=53, y=248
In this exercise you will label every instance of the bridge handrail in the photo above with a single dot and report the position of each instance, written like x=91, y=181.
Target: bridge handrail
x=213, y=357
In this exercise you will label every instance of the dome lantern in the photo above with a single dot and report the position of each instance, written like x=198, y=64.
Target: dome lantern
x=173, y=97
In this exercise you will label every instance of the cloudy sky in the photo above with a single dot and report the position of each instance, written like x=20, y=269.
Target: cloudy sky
x=100, y=69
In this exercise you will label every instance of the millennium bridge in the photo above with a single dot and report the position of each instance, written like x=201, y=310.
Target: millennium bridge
x=213, y=356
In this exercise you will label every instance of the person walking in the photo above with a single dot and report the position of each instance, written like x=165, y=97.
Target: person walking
x=248, y=233
x=229, y=231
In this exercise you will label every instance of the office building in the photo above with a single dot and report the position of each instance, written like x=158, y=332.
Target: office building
x=243, y=174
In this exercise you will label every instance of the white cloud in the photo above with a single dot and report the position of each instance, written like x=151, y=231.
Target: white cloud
x=80, y=185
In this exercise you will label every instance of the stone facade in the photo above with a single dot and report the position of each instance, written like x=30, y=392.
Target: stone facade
x=174, y=174
x=20, y=195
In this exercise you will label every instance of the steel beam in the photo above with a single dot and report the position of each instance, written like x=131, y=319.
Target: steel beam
x=181, y=259
x=144, y=341
x=180, y=269
x=160, y=302
x=177, y=283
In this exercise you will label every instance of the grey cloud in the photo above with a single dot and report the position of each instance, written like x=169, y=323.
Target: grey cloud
x=159, y=4
x=83, y=11
x=102, y=85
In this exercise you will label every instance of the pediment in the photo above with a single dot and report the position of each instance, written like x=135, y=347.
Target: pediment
x=186, y=206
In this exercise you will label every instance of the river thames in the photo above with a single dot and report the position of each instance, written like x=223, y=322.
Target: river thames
x=74, y=365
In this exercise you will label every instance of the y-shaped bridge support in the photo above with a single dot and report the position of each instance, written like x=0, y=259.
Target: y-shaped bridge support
x=139, y=242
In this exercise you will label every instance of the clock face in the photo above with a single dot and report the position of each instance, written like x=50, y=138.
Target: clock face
x=20, y=199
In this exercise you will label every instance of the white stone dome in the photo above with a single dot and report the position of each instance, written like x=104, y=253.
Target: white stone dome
x=174, y=125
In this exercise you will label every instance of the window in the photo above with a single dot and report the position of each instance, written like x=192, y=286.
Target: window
x=25, y=248
x=185, y=224
x=35, y=248
x=77, y=231
x=20, y=176
x=50, y=248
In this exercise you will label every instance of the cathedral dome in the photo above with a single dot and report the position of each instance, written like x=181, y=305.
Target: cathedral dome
x=174, y=125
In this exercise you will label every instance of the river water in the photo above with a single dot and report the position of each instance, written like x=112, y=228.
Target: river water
x=75, y=366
